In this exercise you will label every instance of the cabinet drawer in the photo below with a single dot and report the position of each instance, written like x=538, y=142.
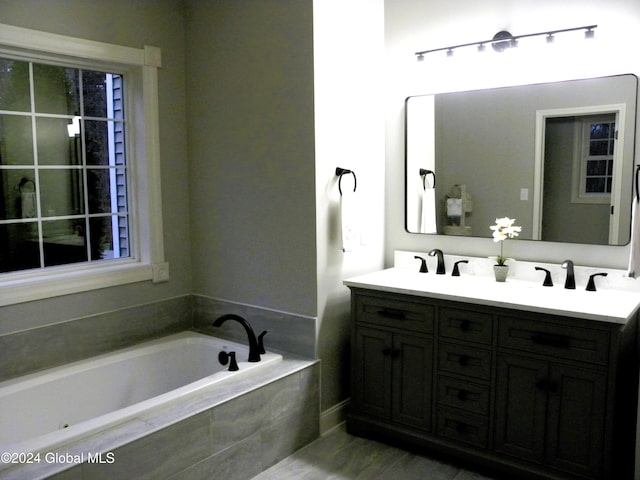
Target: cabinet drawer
x=566, y=341
x=464, y=360
x=465, y=395
x=395, y=313
x=463, y=426
x=465, y=325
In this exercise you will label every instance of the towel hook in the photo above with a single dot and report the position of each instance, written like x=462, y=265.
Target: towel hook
x=342, y=171
x=637, y=187
x=423, y=173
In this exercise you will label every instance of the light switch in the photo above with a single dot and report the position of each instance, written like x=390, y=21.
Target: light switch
x=524, y=194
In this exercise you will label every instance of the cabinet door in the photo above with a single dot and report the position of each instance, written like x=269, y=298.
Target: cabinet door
x=521, y=407
x=412, y=380
x=372, y=372
x=575, y=420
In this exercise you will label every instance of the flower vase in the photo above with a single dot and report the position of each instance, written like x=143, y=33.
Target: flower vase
x=501, y=272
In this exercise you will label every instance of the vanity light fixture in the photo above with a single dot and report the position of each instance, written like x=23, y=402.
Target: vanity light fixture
x=503, y=40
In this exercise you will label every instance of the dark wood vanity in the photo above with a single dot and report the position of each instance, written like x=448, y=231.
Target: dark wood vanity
x=519, y=392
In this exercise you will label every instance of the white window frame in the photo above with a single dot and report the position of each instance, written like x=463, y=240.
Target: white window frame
x=579, y=179
x=140, y=65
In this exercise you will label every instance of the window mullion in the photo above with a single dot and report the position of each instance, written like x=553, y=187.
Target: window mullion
x=36, y=170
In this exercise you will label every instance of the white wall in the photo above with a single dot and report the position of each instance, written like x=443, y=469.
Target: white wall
x=413, y=25
x=349, y=133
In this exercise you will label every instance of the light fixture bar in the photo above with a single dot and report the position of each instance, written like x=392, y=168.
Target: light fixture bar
x=503, y=37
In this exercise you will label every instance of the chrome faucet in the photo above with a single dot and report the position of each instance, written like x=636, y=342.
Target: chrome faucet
x=254, y=348
x=570, y=281
x=440, y=268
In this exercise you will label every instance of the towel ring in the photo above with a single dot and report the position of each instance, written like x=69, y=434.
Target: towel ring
x=342, y=171
x=423, y=173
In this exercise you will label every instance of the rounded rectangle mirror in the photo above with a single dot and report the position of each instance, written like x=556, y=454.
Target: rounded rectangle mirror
x=558, y=157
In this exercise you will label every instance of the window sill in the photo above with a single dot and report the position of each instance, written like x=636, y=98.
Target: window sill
x=36, y=286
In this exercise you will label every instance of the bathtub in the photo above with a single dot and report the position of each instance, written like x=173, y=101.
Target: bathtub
x=45, y=409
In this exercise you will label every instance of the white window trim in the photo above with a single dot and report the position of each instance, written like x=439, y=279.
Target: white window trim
x=141, y=66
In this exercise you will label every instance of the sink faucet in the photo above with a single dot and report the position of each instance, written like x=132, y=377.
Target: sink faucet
x=570, y=281
x=438, y=252
x=254, y=349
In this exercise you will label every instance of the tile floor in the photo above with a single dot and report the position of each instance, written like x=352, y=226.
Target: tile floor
x=340, y=456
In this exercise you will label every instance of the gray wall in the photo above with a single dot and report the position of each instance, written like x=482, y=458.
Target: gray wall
x=132, y=24
x=250, y=133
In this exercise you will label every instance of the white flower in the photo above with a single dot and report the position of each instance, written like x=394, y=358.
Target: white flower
x=503, y=229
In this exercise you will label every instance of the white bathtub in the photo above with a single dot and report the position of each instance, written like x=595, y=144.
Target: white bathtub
x=61, y=404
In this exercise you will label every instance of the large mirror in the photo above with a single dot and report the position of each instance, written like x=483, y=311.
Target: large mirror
x=557, y=157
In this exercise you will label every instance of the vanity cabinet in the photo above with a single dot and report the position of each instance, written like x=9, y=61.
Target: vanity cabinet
x=528, y=394
x=393, y=354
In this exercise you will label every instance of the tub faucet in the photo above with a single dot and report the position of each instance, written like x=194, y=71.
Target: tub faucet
x=254, y=349
x=440, y=267
x=570, y=281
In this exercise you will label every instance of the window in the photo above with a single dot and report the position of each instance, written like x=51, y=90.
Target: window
x=599, y=138
x=594, y=167
x=63, y=169
x=79, y=166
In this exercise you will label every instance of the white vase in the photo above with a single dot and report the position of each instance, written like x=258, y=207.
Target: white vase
x=501, y=272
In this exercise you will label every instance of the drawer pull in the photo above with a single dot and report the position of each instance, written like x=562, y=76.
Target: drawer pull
x=547, y=386
x=393, y=314
x=461, y=428
x=463, y=360
x=463, y=395
x=394, y=352
x=465, y=325
x=550, y=340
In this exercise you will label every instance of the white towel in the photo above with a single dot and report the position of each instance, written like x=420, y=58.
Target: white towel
x=28, y=204
x=350, y=221
x=634, y=256
x=428, y=216
x=454, y=207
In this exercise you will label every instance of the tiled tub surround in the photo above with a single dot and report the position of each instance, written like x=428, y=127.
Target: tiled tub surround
x=286, y=332
x=236, y=431
x=233, y=431
x=44, y=347
x=43, y=410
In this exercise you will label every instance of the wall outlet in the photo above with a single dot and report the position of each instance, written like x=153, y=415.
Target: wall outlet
x=160, y=272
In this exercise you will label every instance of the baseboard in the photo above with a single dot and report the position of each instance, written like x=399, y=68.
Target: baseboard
x=333, y=416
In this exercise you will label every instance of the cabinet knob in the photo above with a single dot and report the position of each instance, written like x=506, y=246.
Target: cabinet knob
x=465, y=325
x=463, y=395
x=463, y=360
x=461, y=427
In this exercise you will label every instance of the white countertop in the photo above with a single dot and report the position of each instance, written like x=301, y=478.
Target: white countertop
x=614, y=306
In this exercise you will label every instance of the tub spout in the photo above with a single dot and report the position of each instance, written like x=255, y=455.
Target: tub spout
x=254, y=349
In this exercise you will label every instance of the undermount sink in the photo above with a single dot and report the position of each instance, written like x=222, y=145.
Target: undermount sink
x=604, y=305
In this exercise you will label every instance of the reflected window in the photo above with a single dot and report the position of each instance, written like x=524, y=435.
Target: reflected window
x=598, y=143
x=63, y=166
